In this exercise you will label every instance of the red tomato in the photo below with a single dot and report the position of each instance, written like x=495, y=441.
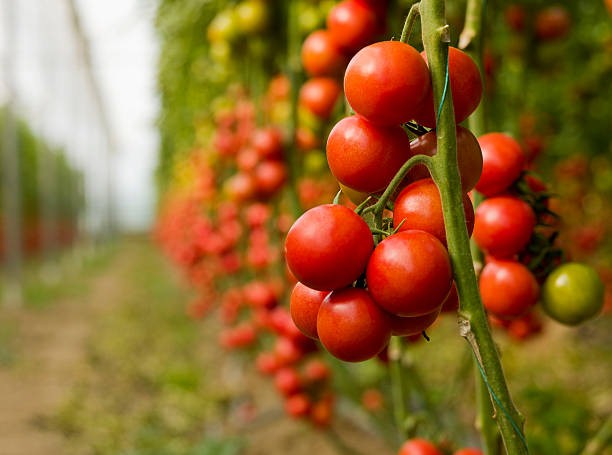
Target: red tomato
x=469, y=156
x=451, y=303
x=465, y=85
x=386, y=82
x=503, y=162
x=515, y=17
x=412, y=326
x=297, y=405
x=508, y=289
x=288, y=381
x=268, y=143
x=468, y=451
x=503, y=226
x=364, y=156
x=328, y=247
x=270, y=176
x=240, y=187
x=319, y=95
x=304, y=307
x=552, y=23
x=418, y=446
x=316, y=371
x=409, y=273
x=351, y=326
x=418, y=206
x=321, y=56
x=352, y=25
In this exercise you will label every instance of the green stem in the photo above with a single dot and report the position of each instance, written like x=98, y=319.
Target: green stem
x=485, y=423
x=473, y=321
x=398, y=386
x=601, y=441
x=409, y=23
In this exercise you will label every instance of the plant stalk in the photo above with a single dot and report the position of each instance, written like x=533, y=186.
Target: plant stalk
x=472, y=319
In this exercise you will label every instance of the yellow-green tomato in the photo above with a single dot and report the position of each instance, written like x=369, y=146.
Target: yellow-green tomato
x=252, y=16
x=573, y=293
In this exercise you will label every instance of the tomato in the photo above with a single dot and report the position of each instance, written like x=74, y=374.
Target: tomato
x=418, y=446
x=240, y=187
x=409, y=273
x=328, y=247
x=270, y=176
x=297, y=405
x=465, y=85
x=469, y=156
x=573, y=293
x=223, y=27
x=252, y=16
x=503, y=162
x=503, y=225
x=507, y=288
x=451, y=303
x=304, y=307
x=352, y=25
x=552, y=23
x=288, y=381
x=321, y=56
x=386, y=82
x=356, y=197
x=319, y=95
x=365, y=156
x=321, y=411
x=411, y=326
x=316, y=370
x=418, y=206
x=515, y=17
x=268, y=143
x=351, y=326
x=468, y=451
x=247, y=159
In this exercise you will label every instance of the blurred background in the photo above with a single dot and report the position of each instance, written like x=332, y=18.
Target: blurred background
x=135, y=250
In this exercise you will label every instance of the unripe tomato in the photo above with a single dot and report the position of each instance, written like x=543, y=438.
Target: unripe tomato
x=319, y=96
x=321, y=56
x=352, y=25
x=503, y=226
x=465, y=85
x=573, y=293
x=365, y=156
x=411, y=326
x=252, y=16
x=469, y=156
x=304, y=306
x=328, y=247
x=409, y=273
x=507, y=288
x=223, y=27
x=503, y=162
x=351, y=326
x=418, y=206
x=418, y=446
x=356, y=197
x=386, y=82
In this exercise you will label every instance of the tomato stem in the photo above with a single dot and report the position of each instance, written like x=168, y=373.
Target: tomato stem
x=472, y=318
x=598, y=444
x=409, y=23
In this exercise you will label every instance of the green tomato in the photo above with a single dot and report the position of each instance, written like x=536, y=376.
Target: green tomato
x=573, y=293
x=252, y=16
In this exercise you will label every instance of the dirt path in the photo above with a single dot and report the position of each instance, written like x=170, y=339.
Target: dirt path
x=51, y=345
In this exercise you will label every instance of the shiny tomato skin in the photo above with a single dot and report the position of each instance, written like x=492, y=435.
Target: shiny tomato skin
x=418, y=446
x=351, y=326
x=507, y=288
x=328, y=247
x=418, y=206
x=386, y=82
x=573, y=293
x=364, y=156
x=465, y=84
x=503, y=162
x=409, y=273
x=469, y=156
x=412, y=326
x=503, y=226
x=352, y=25
x=304, y=306
x=319, y=96
x=321, y=56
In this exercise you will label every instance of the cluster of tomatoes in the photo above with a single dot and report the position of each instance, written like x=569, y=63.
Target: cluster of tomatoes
x=549, y=24
x=418, y=446
x=353, y=295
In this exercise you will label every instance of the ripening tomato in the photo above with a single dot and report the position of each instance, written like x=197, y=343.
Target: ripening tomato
x=469, y=156
x=503, y=226
x=503, y=161
x=352, y=25
x=319, y=95
x=304, y=306
x=409, y=273
x=386, y=82
x=351, y=326
x=411, y=326
x=321, y=56
x=328, y=247
x=507, y=288
x=418, y=446
x=418, y=206
x=573, y=293
x=365, y=156
x=465, y=85
x=468, y=451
